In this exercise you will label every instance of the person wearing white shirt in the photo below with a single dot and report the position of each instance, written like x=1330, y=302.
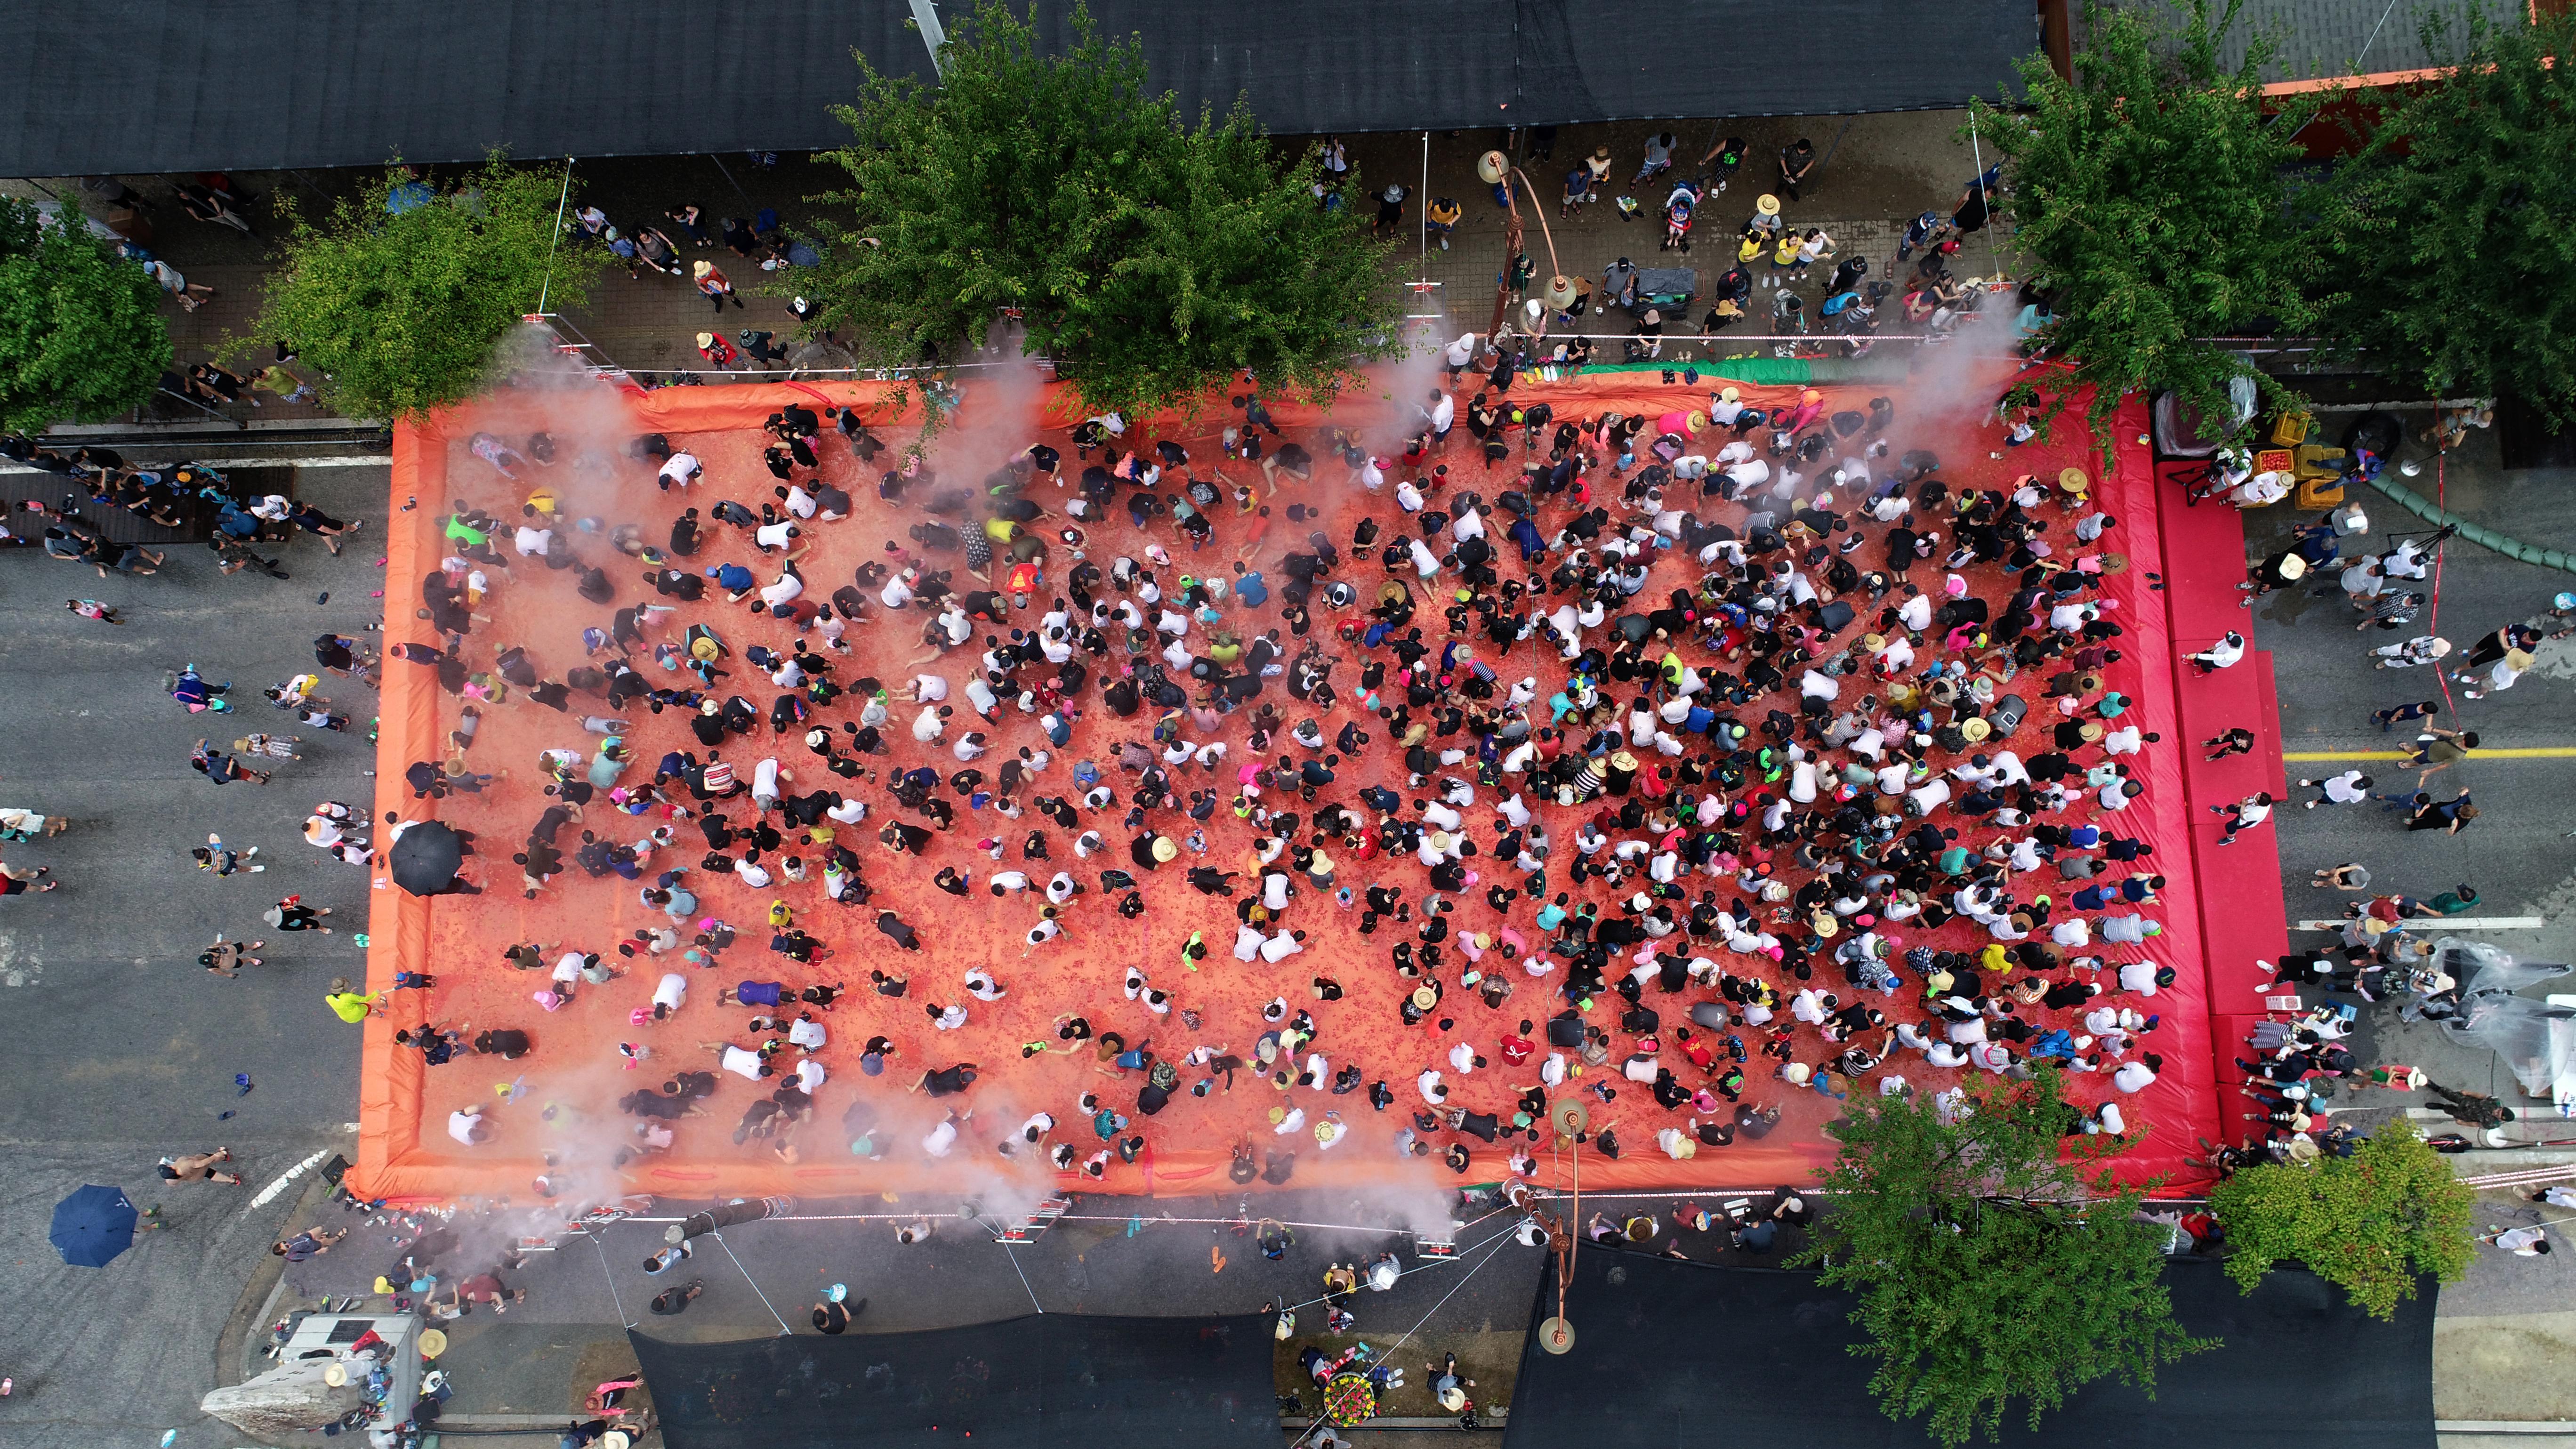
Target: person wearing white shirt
x=2229, y=648
x=2349, y=788
x=806, y=1034
x=680, y=468
x=669, y=993
x=466, y=1125
x=772, y=536
x=2135, y=1075
x=745, y=1064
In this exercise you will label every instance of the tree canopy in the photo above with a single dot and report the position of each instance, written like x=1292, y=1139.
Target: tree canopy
x=81, y=338
x=2370, y=1223
x=2151, y=196
x=401, y=295
x=2459, y=220
x=1148, y=257
x=1990, y=1270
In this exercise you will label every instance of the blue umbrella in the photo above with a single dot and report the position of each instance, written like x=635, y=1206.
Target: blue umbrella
x=410, y=196
x=93, y=1225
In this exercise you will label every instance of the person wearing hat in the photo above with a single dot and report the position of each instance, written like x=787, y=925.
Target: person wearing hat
x=713, y=285
x=2500, y=675
x=1447, y=1385
x=718, y=352
x=1765, y=223
x=2277, y=571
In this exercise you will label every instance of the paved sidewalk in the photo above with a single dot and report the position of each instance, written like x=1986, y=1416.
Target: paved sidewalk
x=1878, y=171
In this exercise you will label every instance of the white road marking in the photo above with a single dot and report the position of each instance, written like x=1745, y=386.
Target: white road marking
x=269, y=1193
x=19, y=968
x=2455, y=925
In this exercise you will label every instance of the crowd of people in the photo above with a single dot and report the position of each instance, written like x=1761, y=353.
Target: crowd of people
x=1750, y=752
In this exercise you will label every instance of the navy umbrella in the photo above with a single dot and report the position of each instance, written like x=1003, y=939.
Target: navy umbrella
x=93, y=1225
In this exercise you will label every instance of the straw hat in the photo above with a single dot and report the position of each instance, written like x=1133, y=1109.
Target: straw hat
x=1600, y=153
x=2072, y=480
x=700, y=269
x=1767, y=204
x=1873, y=643
x=1693, y=423
x=615, y=1439
x=1728, y=394
x=2294, y=568
x=1425, y=998
x=1164, y=849
x=433, y=1342
x=335, y=1375
x=1975, y=728
x=1453, y=1398
x=706, y=339
x=2090, y=730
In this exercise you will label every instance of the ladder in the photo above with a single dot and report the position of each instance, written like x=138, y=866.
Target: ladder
x=1040, y=1218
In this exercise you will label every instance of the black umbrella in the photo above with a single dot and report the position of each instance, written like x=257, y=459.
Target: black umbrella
x=425, y=858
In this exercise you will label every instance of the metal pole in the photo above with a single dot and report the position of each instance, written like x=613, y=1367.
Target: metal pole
x=728, y=174
x=1554, y=267
x=1424, y=200
x=1828, y=158
x=557, y=239
x=1511, y=249
x=1994, y=249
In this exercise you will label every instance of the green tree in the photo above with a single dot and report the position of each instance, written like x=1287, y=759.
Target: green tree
x=2369, y=1223
x=1150, y=258
x=401, y=311
x=1989, y=1268
x=2461, y=220
x=81, y=338
x=2150, y=197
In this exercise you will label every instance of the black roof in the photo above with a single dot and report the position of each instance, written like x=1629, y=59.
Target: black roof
x=144, y=86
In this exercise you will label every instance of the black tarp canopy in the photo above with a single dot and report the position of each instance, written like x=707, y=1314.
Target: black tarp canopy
x=1042, y=1381
x=145, y=86
x=1755, y=1358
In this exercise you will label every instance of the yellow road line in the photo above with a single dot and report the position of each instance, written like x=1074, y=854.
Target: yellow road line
x=2553, y=752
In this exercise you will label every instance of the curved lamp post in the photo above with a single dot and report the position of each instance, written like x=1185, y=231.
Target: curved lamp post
x=1494, y=167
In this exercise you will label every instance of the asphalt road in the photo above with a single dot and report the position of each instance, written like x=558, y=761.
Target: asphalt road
x=118, y=1048
x=2518, y=852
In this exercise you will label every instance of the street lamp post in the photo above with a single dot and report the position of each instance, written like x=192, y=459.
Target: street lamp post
x=1495, y=168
